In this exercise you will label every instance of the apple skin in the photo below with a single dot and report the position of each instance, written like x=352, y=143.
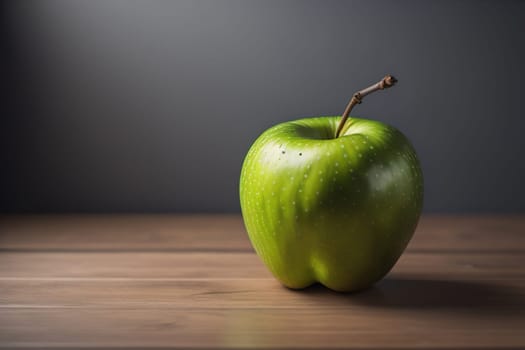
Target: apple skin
x=339, y=211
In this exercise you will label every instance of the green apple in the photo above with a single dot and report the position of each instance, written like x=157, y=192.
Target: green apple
x=335, y=210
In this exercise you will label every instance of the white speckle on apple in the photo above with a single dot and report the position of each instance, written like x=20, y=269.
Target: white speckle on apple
x=336, y=163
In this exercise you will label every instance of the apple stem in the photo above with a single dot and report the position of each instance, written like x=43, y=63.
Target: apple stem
x=357, y=98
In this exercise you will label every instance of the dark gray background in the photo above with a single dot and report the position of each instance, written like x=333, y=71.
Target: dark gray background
x=151, y=105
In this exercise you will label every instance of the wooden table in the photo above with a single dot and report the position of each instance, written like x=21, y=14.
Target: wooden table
x=194, y=282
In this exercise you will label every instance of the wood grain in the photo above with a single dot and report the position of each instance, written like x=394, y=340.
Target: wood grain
x=227, y=265
x=194, y=282
x=262, y=293
x=489, y=233
x=268, y=328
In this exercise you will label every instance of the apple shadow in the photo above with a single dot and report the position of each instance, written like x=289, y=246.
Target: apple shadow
x=481, y=298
